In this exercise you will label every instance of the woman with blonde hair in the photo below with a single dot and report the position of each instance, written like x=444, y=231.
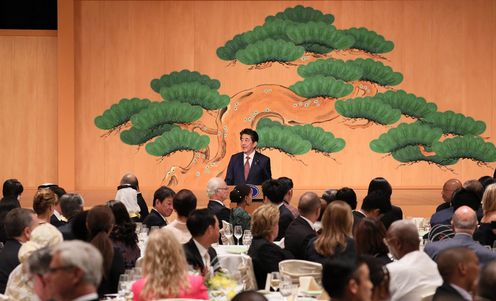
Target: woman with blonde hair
x=336, y=238
x=486, y=234
x=264, y=253
x=44, y=204
x=165, y=271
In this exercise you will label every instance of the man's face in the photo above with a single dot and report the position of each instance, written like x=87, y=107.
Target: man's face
x=58, y=279
x=472, y=270
x=214, y=232
x=40, y=287
x=364, y=286
x=391, y=243
x=222, y=192
x=165, y=207
x=447, y=193
x=247, y=145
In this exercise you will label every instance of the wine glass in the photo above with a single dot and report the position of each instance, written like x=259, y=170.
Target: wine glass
x=123, y=286
x=228, y=232
x=238, y=232
x=275, y=280
x=286, y=287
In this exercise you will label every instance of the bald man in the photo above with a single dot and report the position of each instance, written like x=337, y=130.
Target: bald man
x=414, y=274
x=128, y=192
x=449, y=187
x=464, y=224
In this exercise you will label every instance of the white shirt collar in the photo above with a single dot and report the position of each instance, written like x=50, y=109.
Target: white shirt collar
x=92, y=296
x=461, y=291
x=281, y=204
x=59, y=216
x=252, y=154
x=202, y=250
x=163, y=217
x=308, y=221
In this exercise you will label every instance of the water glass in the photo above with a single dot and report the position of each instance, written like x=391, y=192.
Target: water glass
x=286, y=287
x=228, y=232
x=238, y=232
x=124, y=285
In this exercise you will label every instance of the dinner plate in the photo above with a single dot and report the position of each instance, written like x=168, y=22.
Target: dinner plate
x=314, y=293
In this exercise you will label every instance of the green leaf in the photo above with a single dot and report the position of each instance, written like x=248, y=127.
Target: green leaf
x=166, y=112
x=368, y=108
x=322, y=86
x=369, y=41
x=377, y=72
x=467, y=147
x=183, y=76
x=318, y=37
x=331, y=68
x=269, y=51
x=301, y=14
x=454, y=123
x=283, y=139
x=408, y=104
x=134, y=136
x=229, y=50
x=404, y=135
x=120, y=113
x=195, y=94
x=321, y=140
x=412, y=153
x=177, y=140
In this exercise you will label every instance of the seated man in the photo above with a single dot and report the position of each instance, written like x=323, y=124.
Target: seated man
x=375, y=204
x=414, y=274
x=449, y=188
x=19, y=223
x=274, y=192
x=162, y=208
x=204, y=229
x=217, y=192
x=459, y=268
x=128, y=192
x=301, y=230
x=487, y=282
x=75, y=271
x=464, y=225
x=347, y=280
x=183, y=203
x=289, y=194
x=71, y=205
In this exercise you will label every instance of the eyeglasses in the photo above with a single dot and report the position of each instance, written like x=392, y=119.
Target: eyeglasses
x=63, y=268
x=223, y=188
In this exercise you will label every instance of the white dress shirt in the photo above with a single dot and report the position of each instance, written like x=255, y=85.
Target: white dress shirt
x=251, y=155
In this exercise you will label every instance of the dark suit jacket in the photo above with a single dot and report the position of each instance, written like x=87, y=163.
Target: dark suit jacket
x=357, y=217
x=447, y=293
x=266, y=256
x=8, y=261
x=194, y=258
x=56, y=222
x=222, y=212
x=154, y=219
x=442, y=206
x=298, y=234
x=66, y=230
x=259, y=170
x=285, y=218
x=391, y=216
x=143, y=207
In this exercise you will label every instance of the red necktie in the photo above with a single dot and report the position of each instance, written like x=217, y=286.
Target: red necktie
x=247, y=167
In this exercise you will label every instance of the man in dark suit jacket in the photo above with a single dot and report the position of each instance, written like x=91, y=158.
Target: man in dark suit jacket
x=301, y=229
x=449, y=188
x=162, y=208
x=19, y=223
x=459, y=268
x=217, y=192
x=249, y=166
x=204, y=229
x=274, y=192
x=71, y=204
x=374, y=205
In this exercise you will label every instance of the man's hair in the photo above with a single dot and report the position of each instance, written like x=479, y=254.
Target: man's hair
x=84, y=256
x=130, y=179
x=184, y=202
x=329, y=195
x=336, y=274
x=464, y=224
x=162, y=193
x=465, y=197
x=38, y=262
x=406, y=233
x=308, y=203
x=448, y=260
x=475, y=186
x=213, y=185
x=381, y=184
x=199, y=221
x=249, y=132
x=487, y=281
x=274, y=190
x=12, y=188
x=347, y=195
x=17, y=220
x=71, y=204
x=287, y=183
x=377, y=199
x=249, y=296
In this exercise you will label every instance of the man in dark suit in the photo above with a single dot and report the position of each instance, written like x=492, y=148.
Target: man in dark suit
x=19, y=223
x=459, y=268
x=375, y=204
x=217, y=192
x=71, y=204
x=204, y=229
x=75, y=271
x=162, y=208
x=249, y=166
x=274, y=192
x=301, y=230
x=449, y=188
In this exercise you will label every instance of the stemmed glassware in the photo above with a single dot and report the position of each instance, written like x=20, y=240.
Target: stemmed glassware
x=238, y=232
x=228, y=232
x=275, y=280
x=247, y=238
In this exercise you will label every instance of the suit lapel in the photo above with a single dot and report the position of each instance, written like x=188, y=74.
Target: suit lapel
x=253, y=166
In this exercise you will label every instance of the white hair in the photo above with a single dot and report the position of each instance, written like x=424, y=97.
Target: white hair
x=213, y=185
x=86, y=257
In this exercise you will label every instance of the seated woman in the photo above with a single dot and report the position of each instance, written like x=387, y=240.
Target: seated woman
x=369, y=236
x=486, y=234
x=336, y=239
x=44, y=204
x=241, y=195
x=124, y=236
x=264, y=253
x=165, y=271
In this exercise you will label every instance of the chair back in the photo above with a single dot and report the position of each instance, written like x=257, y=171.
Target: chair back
x=300, y=268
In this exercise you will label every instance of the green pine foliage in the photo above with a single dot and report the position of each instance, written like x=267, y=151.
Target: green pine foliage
x=177, y=140
x=455, y=123
x=377, y=72
x=369, y=40
x=318, y=37
x=166, y=112
x=368, y=108
x=183, y=76
x=412, y=153
x=322, y=86
x=404, y=135
x=134, y=136
x=229, y=50
x=196, y=94
x=120, y=113
x=408, y=104
x=273, y=30
x=301, y=14
x=269, y=51
x=333, y=68
x=466, y=147
x=321, y=140
x=283, y=139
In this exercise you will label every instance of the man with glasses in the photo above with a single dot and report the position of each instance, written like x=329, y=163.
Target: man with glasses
x=218, y=192
x=75, y=271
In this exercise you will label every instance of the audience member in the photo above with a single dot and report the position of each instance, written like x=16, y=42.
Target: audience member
x=414, y=274
x=184, y=203
x=129, y=193
x=395, y=213
x=485, y=234
x=274, y=192
x=475, y=186
x=379, y=276
x=20, y=286
x=204, y=228
x=464, y=225
x=459, y=268
x=100, y=221
x=348, y=196
x=12, y=190
x=449, y=188
x=38, y=264
x=217, y=192
x=44, y=204
x=264, y=253
x=336, y=239
x=123, y=235
x=241, y=195
x=75, y=271
x=79, y=228
x=369, y=238
x=162, y=208
x=461, y=197
x=57, y=219
x=329, y=195
x=486, y=181
x=288, y=183
x=19, y=223
x=374, y=205
x=249, y=296
x=347, y=280
x=487, y=282
x=71, y=204
x=165, y=272
x=302, y=229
